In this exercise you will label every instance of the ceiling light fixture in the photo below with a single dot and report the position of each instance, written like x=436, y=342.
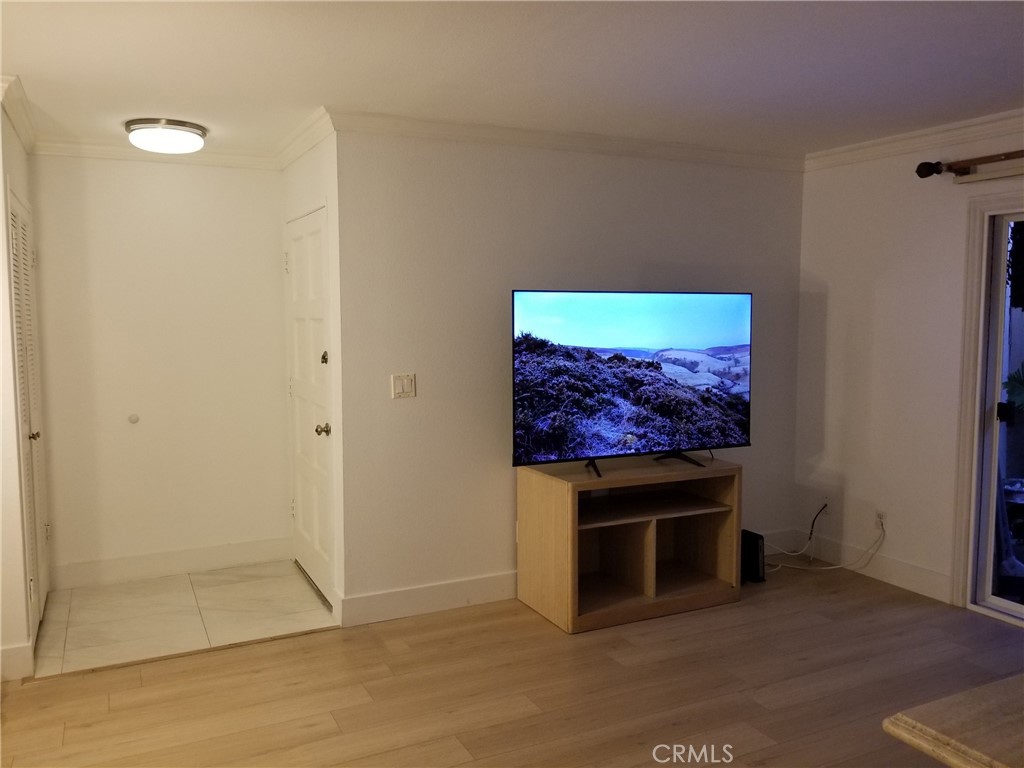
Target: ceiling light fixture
x=170, y=137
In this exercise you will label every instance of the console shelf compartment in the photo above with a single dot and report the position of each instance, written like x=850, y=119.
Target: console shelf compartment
x=646, y=539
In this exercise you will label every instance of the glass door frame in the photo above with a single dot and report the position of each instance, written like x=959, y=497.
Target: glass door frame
x=991, y=431
x=981, y=209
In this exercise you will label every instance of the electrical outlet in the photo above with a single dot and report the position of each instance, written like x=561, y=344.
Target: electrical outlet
x=880, y=519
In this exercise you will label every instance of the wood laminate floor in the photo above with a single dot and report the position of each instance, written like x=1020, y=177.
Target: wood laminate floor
x=800, y=672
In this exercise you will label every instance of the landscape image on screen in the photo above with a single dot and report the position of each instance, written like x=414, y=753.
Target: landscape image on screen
x=597, y=375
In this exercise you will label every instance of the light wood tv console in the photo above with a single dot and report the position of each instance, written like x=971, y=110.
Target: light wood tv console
x=647, y=539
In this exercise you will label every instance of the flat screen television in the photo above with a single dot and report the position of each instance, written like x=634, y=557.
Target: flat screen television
x=599, y=375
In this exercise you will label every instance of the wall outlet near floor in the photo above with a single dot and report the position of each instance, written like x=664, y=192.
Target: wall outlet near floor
x=880, y=518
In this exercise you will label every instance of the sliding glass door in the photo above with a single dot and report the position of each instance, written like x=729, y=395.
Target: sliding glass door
x=999, y=538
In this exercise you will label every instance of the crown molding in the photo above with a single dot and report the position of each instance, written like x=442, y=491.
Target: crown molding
x=121, y=152
x=307, y=135
x=16, y=106
x=1001, y=125
x=394, y=125
x=314, y=129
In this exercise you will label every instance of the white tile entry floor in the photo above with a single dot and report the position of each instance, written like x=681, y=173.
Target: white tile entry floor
x=91, y=627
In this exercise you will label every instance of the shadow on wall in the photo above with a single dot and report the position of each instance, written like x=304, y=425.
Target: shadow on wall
x=818, y=480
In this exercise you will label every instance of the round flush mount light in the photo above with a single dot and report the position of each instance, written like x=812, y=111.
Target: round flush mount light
x=170, y=137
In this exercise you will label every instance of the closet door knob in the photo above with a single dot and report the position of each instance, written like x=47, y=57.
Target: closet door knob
x=36, y=436
x=323, y=430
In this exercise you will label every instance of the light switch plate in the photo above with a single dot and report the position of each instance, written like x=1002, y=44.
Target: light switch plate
x=403, y=385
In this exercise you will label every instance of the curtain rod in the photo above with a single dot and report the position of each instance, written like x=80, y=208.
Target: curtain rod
x=963, y=167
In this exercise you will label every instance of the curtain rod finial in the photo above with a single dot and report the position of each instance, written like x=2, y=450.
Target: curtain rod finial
x=924, y=170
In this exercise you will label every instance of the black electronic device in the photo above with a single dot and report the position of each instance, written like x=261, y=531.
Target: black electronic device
x=751, y=557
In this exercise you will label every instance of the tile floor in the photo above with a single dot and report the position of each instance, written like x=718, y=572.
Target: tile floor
x=99, y=626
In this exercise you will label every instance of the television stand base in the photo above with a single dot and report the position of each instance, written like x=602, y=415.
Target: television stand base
x=679, y=455
x=592, y=464
x=649, y=539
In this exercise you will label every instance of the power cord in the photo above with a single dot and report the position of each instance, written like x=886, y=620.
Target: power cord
x=813, y=521
x=810, y=535
x=854, y=564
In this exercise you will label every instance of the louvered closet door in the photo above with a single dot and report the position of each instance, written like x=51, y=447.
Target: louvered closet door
x=30, y=430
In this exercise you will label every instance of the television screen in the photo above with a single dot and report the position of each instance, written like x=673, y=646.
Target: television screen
x=598, y=375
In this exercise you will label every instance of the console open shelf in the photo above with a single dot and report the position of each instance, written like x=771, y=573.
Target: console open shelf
x=647, y=539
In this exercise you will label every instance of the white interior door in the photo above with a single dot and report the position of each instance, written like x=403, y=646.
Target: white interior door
x=30, y=430
x=310, y=387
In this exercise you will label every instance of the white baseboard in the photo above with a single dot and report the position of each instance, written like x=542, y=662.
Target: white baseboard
x=101, y=572
x=899, y=573
x=16, y=662
x=891, y=570
x=395, y=604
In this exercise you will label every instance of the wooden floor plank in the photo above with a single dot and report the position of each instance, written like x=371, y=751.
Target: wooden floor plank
x=683, y=682
x=444, y=753
x=242, y=707
x=779, y=663
x=728, y=641
x=822, y=683
x=352, y=647
x=31, y=697
x=54, y=710
x=849, y=742
x=267, y=681
x=484, y=674
x=120, y=736
x=597, y=714
x=240, y=745
x=28, y=738
x=801, y=671
x=722, y=746
x=877, y=698
x=615, y=743
x=901, y=755
x=390, y=737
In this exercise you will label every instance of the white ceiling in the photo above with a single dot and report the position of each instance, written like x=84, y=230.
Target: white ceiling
x=769, y=78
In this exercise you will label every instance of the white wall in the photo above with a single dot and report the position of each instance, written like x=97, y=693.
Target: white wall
x=434, y=237
x=16, y=635
x=161, y=296
x=883, y=264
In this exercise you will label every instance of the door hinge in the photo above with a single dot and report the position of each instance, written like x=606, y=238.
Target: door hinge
x=293, y=508
x=290, y=385
x=287, y=264
x=49, y=531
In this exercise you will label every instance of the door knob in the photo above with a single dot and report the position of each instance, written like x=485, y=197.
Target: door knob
x=36, y=435
x=323, y=430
